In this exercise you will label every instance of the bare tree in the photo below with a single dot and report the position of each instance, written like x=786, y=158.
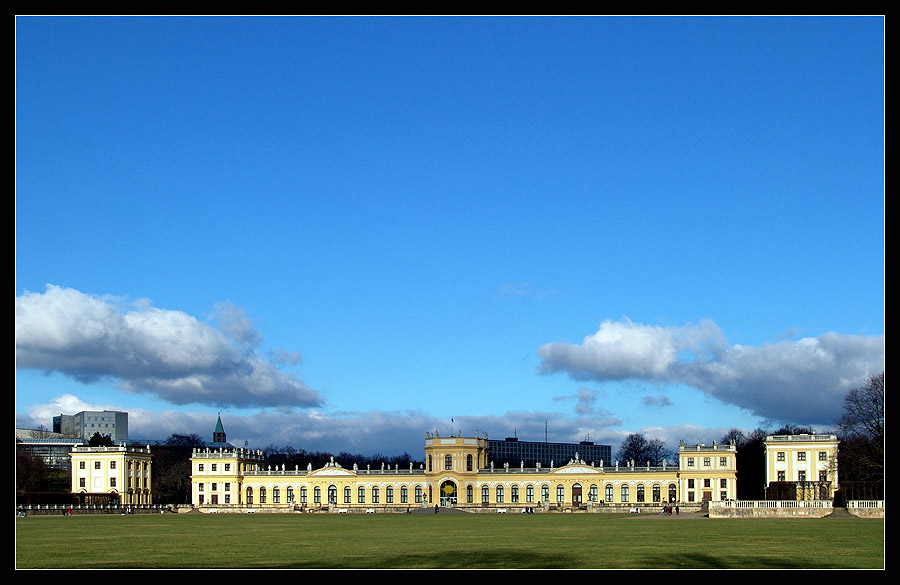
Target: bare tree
x=861, y=431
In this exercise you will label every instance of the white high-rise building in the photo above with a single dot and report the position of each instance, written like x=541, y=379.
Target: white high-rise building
x=83, y=425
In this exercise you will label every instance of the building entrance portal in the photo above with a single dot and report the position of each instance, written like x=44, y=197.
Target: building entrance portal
x=448, y=494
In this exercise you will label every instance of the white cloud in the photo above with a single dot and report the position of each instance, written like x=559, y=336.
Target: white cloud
x=147, y=350
x=803, y=381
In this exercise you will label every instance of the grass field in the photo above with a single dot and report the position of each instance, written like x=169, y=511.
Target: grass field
x=458, y=541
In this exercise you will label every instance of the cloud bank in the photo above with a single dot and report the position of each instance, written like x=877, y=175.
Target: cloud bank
x=166, y=353
x=803, y=381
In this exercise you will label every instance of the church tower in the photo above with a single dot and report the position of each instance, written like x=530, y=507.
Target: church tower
x=219, y=433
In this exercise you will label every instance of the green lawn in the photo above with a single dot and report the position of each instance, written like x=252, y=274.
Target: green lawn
x=444, y=541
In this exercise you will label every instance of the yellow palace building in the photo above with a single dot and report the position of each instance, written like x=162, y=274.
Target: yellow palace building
x=458, y=473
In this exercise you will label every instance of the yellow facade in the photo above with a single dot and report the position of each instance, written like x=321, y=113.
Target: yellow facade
x=458, y=473
x=121, y=473
x=809, y=459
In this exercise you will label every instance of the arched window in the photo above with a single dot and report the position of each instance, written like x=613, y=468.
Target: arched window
x=514, y=494
x=485, y=494
x=332, y=494
x=375, y=494
x=290, y=495
x=656, y=494
x=348, y=495
x=317, y=495
x=640, y=492
x=389, y=495
x=404, y=495
x=249, y=496
x=545, y=493
x=624, y=493
x=469, y=462
x=560, y=493
x=608, y=492
x=673, y=493
x=593, y=494
x=429, y=462
x=361, y=495
x=529, y=494
x=470, y=494
x=303, y=495
x=499, y=494
x=262, y=495
x=419, y=494
x=448, y=462
x=276, y=495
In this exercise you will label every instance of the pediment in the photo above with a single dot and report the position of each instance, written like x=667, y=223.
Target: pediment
x=576, y=468
x=332, y=472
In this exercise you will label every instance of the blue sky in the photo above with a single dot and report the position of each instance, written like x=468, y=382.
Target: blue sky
x=341, y=233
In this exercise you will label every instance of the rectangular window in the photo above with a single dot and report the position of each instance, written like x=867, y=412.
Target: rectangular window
x=823, y=456
x=723, y=483
x=801, y=476
x=706, y=482
x=690, y=461
x=81, y=482
x=96, y=465
x=81, y=465
x=112, y=464
x=801, y=455
x=200, y=487
x=706, y=462
x=228, y=467
x=199, y=467
x=227, y=487
x=780, y=476
x=780, y=456
x=723, y=462
x=213, y=467
x=823, y=475
x=723, y=496
x=690, y=484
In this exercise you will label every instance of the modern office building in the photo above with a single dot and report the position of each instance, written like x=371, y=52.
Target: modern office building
x=83, y=425
x=515, y=452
